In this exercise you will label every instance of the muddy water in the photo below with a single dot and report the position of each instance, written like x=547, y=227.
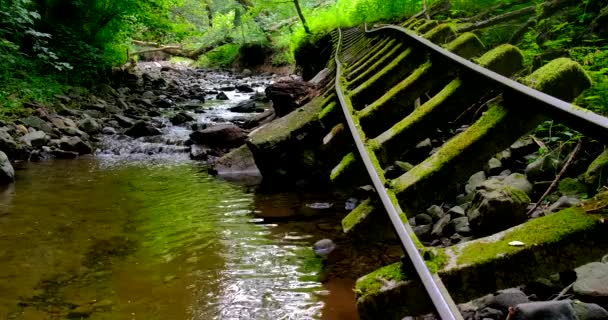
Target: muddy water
x=98, y=240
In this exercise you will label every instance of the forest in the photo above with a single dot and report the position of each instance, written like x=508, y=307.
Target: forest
x=46, y=45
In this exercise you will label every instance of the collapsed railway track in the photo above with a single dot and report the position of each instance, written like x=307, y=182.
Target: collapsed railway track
x=395, y=86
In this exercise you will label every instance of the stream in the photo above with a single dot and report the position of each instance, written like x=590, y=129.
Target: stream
x=139, y=231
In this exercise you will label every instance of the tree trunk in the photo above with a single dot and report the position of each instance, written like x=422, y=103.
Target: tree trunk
x=301, y=15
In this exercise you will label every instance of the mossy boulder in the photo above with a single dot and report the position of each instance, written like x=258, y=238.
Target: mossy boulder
x=441, y=34
x=496, y=207
x=504, y=59
x=466, y=45
x=572, y=187
x=550, y=79
x=597, y=173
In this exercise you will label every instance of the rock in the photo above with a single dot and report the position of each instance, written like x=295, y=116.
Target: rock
x=324, y=247
x=494, y=166
x=474, y=181
x=523, y=147
x=423, y=219
x=222, y=96
x=35, y=139
x=163, y=103
x=508, y=298
x=489, y=313
x=518, y=181
x=289, y=95
x=247, y=106
x=246, y=73
x=496, y=207
x=436, y=212
x=89, y=125
x=21, y=129
x=457, y=211
x=572, y=187
x=8, y=144
x=75, y=144
x=458, y=225
x=440, y=225
x=81, y=312
x=558, y=310
x=545, y=167
x=7, y=173
x=223, y=136
x=244, y=88
x=592, y=283
x=563, y=203
x=197, y=152
x=423, y=232
x=36, y=123
x=108, y=131
x=142, y=129
x=596, y=175
x=62, y=154
x=181, y=118
x=123, y=121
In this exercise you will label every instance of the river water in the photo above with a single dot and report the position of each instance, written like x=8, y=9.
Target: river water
x=136, y=234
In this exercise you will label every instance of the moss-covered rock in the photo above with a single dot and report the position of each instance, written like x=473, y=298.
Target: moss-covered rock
x=466, y=45
x=597, y=173
x=572, y=187
x=503, y=59
x=441, y=34
x=562, y=77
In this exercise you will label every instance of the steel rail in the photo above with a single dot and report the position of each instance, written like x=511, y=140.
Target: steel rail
x=435, y=293
x=585, y=121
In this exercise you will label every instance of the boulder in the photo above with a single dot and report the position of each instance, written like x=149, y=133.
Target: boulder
x=7, y=173
x=108, y=131
x=89, y=125
x=36, y=123
x=75, y=144
x=62, y=154
x=572, y=187
x=440, y=225
x=558, y=310
x=474, y=181
x=597, y=173
x=592, y=283
x=497, y=207
x=545, y=167
x=493, y=167
x=142, y=129
x=8, y=144
x=222, y=136
x=222, y=96
x=247, y=106
x=459, y=225
x=124, y=121
x=35, y=139
x=518, y=181
x=181, y=118
x=244, y=88
x=198, y=152
x=289, y=95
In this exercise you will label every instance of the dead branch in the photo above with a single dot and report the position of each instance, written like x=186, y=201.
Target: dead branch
x=145, y=43
x=485, y=14
x=498, y=19
x=168, y=49
x=548, y=8
x=277, y=26
x=425, y=10
x=559, y=176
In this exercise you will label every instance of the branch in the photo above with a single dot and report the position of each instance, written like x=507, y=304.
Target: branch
x=498, y=19
x=548, y=8
x=559, y=176
x=425, y=10
x=167, y=49
x=145, y=43
x=490, y=10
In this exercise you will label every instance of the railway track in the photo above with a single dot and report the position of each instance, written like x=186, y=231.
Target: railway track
x=396, y=86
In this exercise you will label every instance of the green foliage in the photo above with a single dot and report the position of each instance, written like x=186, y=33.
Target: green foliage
x=222, y=56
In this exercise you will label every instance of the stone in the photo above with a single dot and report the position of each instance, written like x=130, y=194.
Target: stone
x=563, y=203
x=572, y=187
x=181, y=118
x=523, y=147
x=545, y=167
x=490, y=313
x=436, y=212
x=223, y=136
x=247, y=106
x=423, y=219
x=592, y=283
x=493, y=167
x=518, y=181
x=458, y=225
x=8, y=144
x=108, y=131
x=457, y=211
x=222, y=96
x=474, y=181
x=142, y=129
x=508, y=298
x=324, y=247
x=7, y=173
x=244, y=88
x=423, y=232
x=75, y=144
x=198, y=152
x=558, y=310
x=440, y=225
x=35, y=139
x=89, y=125
x=62, y=154
x=288, y=95
x=36, y=123
x=124, y=121
x=596, y=175
x=497, y=207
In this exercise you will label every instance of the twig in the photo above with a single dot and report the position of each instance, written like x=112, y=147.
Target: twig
x=425, y=10
x=563, y=292
x=559, y=176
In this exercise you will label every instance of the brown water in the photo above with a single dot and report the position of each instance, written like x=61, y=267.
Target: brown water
x=102, y=240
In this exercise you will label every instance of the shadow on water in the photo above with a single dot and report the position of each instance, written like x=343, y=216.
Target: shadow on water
x=81, y=239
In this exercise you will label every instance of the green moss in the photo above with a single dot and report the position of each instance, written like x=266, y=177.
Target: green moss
x=370, y=283
x=376, y=59
x=435, y=259
x=360, y=213
x=561, y=77
x=417, y=74
x=597, y=173
x=572, y=187
x=373, y=68
x=451, y=149
x=327, y=110
x=417, y=115
x=344, y=164
x=385, y=70
x=441, y=33
x=517, y=195
x=466, y=45
x=535, y=232
x=505, y=60
x=428, y=25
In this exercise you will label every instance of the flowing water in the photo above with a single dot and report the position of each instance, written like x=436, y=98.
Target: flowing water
x=141, y=232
